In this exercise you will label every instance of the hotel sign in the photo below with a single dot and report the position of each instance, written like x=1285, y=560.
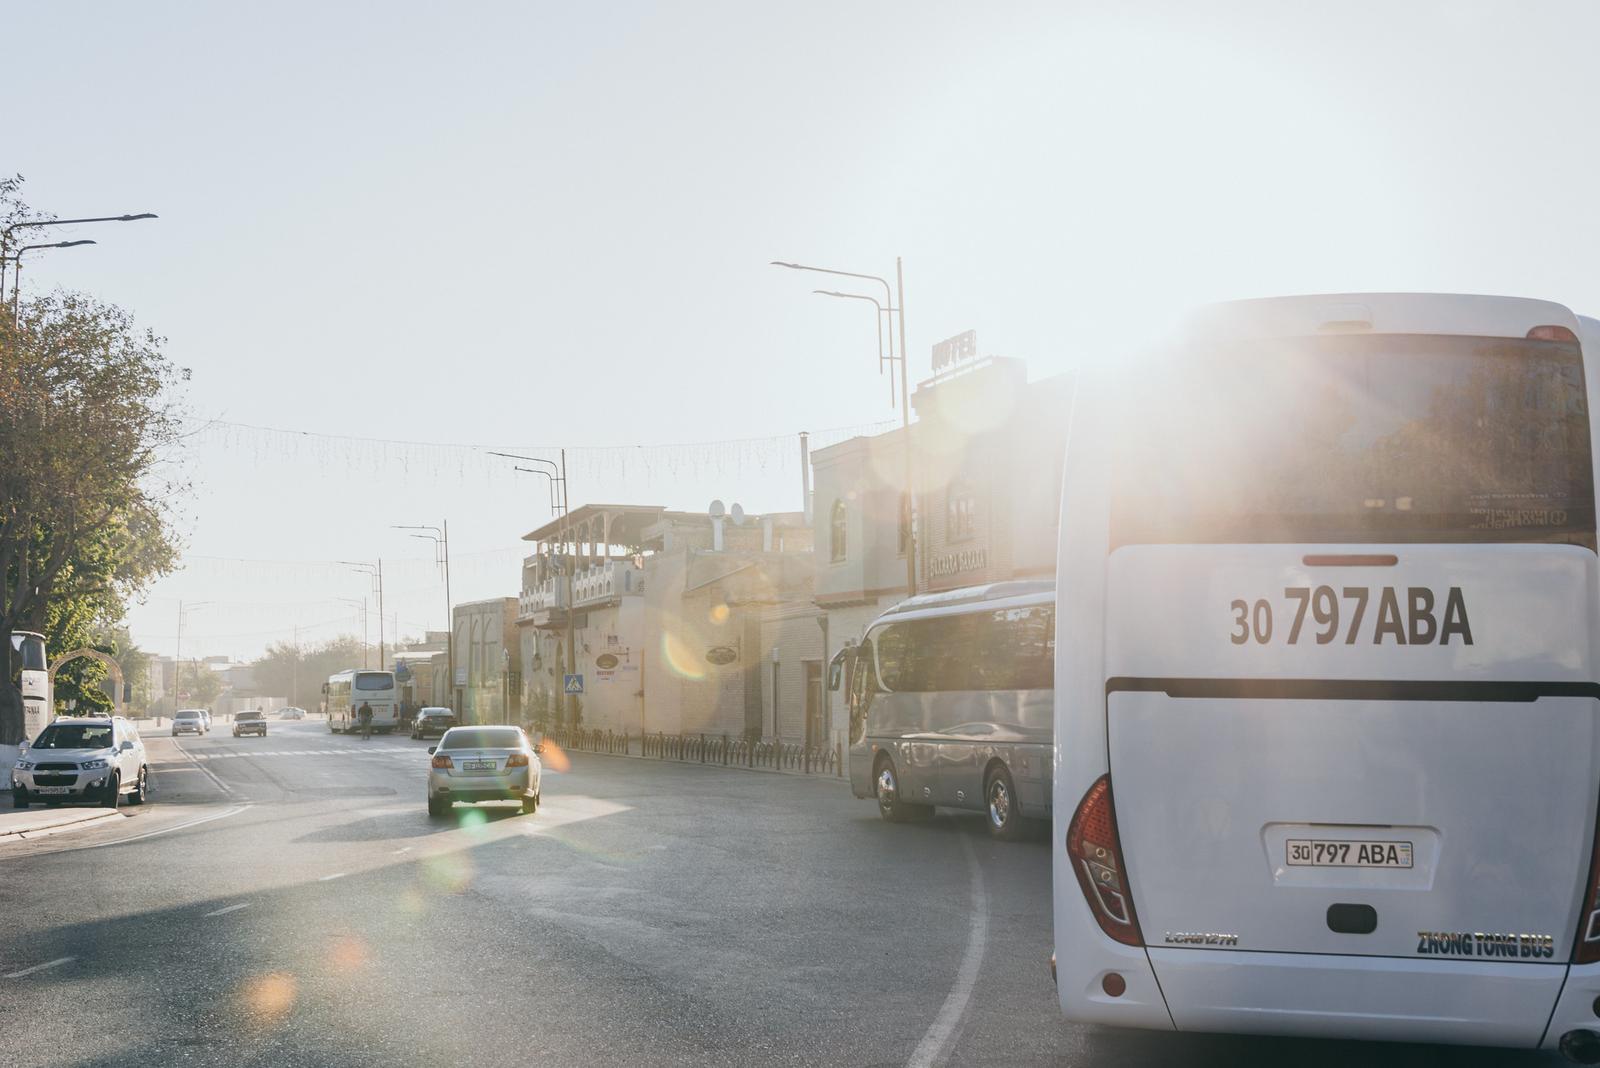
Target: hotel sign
x=954, y=350
x=946, y=564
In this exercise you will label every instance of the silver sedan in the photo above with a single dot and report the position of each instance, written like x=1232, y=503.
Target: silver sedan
x=483, y=764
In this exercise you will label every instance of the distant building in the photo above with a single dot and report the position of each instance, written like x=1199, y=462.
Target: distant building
x=674, y=618
x=484, y=688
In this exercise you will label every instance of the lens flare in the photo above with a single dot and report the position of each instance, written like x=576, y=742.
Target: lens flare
x=554, y=758
x=268, y=998
x=680, y=657
x=450, y=873
x=347, y=953
x=719, y=614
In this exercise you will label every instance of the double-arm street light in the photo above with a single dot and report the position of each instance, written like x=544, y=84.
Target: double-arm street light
x=5, y=234
x=560, y=506
x=376, y=571
x=440, y=536
x=893, y=306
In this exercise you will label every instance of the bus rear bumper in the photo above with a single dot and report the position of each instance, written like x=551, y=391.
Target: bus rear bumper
x=1383, y=998
x=1579, y=1007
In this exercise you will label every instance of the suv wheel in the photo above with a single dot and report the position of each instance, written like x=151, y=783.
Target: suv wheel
x=141, y=787
x=113, y=795
x=19, y=798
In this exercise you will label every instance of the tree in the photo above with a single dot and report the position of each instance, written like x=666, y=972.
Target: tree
x=199, y=682
x=300, y=672
x=88, y=434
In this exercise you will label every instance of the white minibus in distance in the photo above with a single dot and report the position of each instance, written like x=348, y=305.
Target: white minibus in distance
x=349, y=690
x=1327, y=711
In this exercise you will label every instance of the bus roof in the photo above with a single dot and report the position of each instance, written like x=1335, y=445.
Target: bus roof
x=972, y=599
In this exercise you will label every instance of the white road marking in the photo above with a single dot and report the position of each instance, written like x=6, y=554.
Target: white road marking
x=230, y=908
x=41, y=967
x=165, y=830
x=397, y=852
x=330, y=878
x=944, y=1025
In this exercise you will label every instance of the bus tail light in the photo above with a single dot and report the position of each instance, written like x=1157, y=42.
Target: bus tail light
x=1097, y=858
x=442, y=761
x=1551, y=333
x=1586, y=947
x=517, y=760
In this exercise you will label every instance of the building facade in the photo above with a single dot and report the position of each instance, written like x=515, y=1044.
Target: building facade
x=485, y=648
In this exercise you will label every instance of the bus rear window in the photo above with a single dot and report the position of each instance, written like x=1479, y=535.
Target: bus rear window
x=374, y=680
x=1361, y=438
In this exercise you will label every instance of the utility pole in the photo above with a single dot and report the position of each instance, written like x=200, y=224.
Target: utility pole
x=449, y=617
x=294, y=675
x=563, y=507
x=908, y=506
x=571, y=565
x=380, y=613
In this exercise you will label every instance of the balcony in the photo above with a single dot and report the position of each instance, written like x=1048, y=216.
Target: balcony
x=600, y=584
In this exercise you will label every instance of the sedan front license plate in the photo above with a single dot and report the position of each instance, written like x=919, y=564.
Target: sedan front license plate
x=51, y=789
x=1323, y=853
x=478, y=765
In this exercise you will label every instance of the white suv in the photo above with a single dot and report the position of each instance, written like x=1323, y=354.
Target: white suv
x=90, y=758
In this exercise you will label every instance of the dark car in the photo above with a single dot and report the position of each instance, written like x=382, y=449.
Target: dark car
x=253, y=722
x=432, y=721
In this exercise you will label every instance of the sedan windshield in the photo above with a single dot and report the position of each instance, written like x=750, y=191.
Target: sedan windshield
x=482, y=738
x=75, y=736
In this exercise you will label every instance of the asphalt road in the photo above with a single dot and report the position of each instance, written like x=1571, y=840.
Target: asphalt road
x=287, y=901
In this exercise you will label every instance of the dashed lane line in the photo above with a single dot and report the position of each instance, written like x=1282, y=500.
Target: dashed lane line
x=330, y=878
x=41, y=967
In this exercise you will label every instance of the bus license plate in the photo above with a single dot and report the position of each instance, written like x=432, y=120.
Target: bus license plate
x=478, y=765
x=1320, y=853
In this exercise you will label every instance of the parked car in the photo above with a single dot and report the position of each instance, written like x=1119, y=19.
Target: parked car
x=83, y=758
x=251, y=722
x=433, y=721
x=191, y=721
x=291, y=713
x=483, y=764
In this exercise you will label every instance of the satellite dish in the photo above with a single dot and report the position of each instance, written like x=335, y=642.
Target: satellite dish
x=717, y=509
x=738, y=515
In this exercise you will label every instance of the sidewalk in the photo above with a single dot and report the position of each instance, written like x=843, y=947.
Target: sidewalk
x=37, y=823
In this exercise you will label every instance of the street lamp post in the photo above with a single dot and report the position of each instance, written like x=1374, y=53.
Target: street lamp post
x=569, y=701
x=362, y=605
x=177, y=655
x=16, y=281
x=441, y=540
x=894, y=307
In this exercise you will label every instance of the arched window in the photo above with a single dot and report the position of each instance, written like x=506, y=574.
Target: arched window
x=836, y=532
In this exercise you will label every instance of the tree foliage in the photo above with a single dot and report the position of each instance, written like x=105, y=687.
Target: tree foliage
x=88, y=439
x=299, y=672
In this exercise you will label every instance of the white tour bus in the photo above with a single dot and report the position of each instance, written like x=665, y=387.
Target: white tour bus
x=30, y=673
x=1327, y=728
x=348, y=690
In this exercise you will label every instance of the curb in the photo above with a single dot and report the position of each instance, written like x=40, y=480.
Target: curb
x=28, y=834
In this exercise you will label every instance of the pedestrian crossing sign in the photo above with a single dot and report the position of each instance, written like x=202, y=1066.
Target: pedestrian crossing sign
x=573, y=683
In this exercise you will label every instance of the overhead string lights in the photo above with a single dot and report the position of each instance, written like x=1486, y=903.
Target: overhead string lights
x=650, y=464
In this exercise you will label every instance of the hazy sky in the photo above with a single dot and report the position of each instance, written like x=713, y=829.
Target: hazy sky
x=549, y=224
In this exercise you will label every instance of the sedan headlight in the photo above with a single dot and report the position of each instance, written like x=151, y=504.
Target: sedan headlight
x=93, y=765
